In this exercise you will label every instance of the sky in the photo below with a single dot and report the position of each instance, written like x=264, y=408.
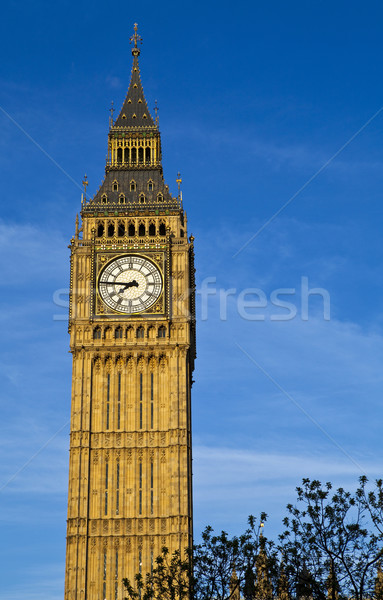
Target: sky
x=273, y=114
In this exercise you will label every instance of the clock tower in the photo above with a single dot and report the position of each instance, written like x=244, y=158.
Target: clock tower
x=132, y=337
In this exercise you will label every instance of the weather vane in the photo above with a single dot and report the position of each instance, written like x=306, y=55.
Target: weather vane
x=135, y=39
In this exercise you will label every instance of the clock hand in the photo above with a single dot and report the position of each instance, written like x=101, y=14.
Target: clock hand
x=126, y=285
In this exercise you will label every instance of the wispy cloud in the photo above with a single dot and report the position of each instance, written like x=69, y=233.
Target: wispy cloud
x=231, y=483
x=24, y=261
x=38, y=582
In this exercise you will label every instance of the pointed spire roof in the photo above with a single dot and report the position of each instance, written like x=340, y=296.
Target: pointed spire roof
x=135, y=111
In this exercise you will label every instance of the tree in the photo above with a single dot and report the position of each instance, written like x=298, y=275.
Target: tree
x=219, y=567
x=338, y=533
x=330, y=549
x=171, y=579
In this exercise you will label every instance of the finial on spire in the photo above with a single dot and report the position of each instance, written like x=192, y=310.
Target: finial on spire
x=85, y=183
x=135, y=39
x=111, y=110
x=156, y=109
x=76, y=228
x=179, y=181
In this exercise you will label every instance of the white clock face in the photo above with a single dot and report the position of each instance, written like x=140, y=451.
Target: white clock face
x=130, y=284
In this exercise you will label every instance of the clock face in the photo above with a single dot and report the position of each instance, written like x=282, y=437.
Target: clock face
x=130, y=284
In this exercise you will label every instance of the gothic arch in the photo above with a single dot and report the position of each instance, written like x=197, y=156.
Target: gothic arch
x=121, y=229
x=118, y=333
x=97, y=333
x=100, y=228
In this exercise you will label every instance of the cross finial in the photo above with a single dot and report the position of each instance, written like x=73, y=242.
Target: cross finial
x=156, y=109
x=135, y=39
x=85, y=183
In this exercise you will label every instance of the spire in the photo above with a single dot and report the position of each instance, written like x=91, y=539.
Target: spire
x=379, y=582
x=235, y=593
x=133, y=170
x=332, y=584
x=282, y=585
x=263, y=584
x=135, y=111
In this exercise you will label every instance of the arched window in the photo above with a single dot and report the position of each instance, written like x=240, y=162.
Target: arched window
x=126, y=155
x=104, y=199
x=141, y=230
x=162, y=332
x=140, y=332
x=100, y=230
x=118, y=334
x=140, y=154
x=152, y=230
x=142, y=198
x=147, y=155
x=132, y=186
x=133, y=156
x=162, y=229
x=131, y=230
x=119, y=155
x=111, y=230
x=150, y=186
x=160, y=198
x=97, y=333
x=121, y=199
x=115, y=186
x=121, y=229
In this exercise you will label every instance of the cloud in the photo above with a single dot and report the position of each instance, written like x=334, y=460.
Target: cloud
x=114, y=82
x=38, y=582
x=275, y=151
x=29, y=259
x=231, y=483
x=38, y=463
x=332, y=369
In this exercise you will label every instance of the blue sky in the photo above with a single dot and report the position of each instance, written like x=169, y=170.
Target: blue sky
x=254, y=99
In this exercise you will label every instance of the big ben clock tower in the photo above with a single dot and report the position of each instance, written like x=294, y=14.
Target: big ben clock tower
x=132, y=337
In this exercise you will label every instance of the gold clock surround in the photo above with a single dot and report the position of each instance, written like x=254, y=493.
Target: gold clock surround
x=103, y=259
